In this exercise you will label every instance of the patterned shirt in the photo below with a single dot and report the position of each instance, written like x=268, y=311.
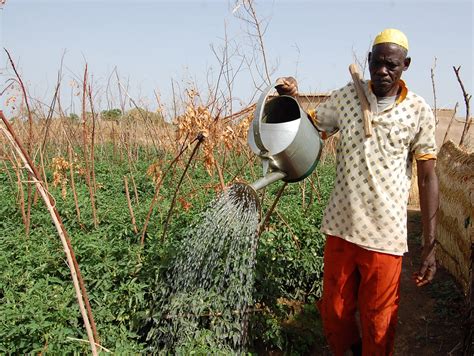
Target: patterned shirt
x=368, y=205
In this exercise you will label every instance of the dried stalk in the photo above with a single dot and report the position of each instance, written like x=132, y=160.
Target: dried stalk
x=219, y=173
x=135, y=191
x=72, y=263
x=84, y=143
x=200, y=139
x=51, y=110
x=92, y=157
x=293, y=235
x=43, y=170
x=450, y=123
x=157, y=191
x=303, y=194
x=316, y=190
x=434, y=91
x=30, y=137
x=73, y=184
x=270, y=211
x=130, y=208
x=102, y=348
x=25, y=97
x=467, y=98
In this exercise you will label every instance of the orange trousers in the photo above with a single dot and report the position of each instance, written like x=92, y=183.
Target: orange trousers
x=356, y=278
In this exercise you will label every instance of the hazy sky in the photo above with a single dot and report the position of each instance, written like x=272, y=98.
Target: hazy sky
x=154, y=42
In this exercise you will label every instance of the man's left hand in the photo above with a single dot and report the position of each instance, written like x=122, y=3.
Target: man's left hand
x=287, y=86
x=428, y=266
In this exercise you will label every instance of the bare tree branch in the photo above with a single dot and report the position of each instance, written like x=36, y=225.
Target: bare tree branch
x=467, y=98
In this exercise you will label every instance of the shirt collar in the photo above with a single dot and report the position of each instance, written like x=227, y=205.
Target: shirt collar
x=403, y=92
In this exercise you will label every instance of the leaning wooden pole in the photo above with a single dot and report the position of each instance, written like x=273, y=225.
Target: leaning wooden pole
x=73, y=266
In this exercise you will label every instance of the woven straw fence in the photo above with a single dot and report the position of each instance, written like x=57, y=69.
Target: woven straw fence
x=455, y=230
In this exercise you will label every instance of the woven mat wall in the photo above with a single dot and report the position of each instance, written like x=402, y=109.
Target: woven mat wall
x=455, y=230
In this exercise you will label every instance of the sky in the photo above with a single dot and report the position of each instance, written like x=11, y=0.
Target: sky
x=158, y=46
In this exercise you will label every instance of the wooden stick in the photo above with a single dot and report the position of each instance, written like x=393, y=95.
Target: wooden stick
x=102, y=348
x=84, y=143
x=42, y=169
x=263, y=224
x=73, y=184
x=450, y=123
x=219, y=172
x=92, y=156
x=356, y=77
x=157, y=190
x=135, y=191
x=200, y=140
x=127, y=193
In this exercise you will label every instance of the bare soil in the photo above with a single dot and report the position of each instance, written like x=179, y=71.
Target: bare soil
x=430, y=318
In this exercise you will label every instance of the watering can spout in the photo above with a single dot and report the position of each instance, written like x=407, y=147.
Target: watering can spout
x=268, y=179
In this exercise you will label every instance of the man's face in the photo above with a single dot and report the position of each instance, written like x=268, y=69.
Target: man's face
x=387, y=61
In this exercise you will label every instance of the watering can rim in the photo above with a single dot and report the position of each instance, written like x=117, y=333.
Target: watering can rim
x=257, y=121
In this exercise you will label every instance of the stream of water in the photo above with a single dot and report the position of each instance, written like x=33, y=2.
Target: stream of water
x=212, y=277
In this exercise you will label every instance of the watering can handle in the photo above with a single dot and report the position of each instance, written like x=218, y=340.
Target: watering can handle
x=257, y=121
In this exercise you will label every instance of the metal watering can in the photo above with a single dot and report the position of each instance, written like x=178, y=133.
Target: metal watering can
x=284, y=138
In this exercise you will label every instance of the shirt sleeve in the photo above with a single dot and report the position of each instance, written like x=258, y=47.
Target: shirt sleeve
x=424, y=144
x=326, y=115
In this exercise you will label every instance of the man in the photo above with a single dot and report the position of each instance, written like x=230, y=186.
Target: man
x=365, y=220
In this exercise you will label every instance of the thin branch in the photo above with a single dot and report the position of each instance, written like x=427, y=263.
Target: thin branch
x=467, y=98
x=157, y=191
x=73, y=184
x=270, y=211
x=434, y=91
x=30, y=137
x=102, y=348
x=129, y=203
x=256, y=23
x=450, y=123
x=200, y=140
x=84, y=143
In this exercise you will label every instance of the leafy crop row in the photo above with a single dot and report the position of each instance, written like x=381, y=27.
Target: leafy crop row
x=37, y=302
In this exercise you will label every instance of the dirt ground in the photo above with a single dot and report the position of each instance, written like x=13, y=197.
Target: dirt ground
x=430, y=318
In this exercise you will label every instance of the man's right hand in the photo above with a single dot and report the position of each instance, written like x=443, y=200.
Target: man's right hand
x=287, y=86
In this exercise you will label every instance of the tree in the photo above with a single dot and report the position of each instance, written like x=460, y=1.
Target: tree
x=111, y=115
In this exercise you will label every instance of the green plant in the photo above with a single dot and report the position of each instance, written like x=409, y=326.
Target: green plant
x=37, y=303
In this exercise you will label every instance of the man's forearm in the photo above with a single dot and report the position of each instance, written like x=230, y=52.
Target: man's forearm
x=429, y=201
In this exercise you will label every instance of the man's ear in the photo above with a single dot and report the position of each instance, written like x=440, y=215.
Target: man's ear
x=406, y=63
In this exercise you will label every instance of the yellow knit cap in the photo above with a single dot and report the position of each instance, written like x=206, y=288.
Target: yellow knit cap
x=392, y=35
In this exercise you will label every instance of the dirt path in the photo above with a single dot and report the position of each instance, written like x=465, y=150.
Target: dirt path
x=429, y=318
